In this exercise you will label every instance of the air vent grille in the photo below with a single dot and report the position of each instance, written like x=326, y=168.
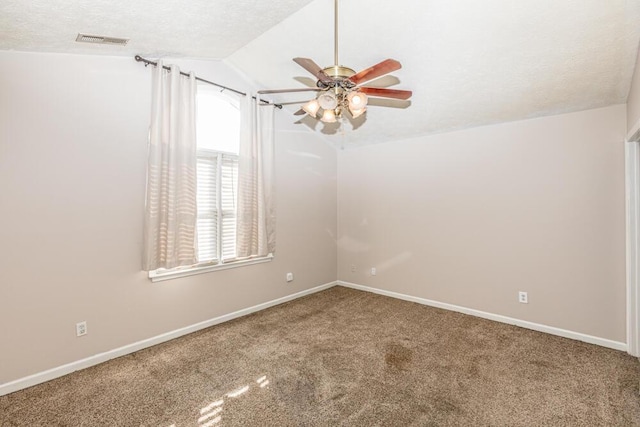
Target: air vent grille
x=86, y=38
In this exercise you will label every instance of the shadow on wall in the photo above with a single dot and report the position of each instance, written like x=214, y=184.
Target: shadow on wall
x=352, y=245
x=305, y=154
x=401, y=258
x=311, y=156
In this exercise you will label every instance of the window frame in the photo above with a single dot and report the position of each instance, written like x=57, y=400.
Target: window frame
x=220, y=263
x=191, y=270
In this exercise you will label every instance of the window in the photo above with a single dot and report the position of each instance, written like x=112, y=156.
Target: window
x=218, y=136
x=218, y=143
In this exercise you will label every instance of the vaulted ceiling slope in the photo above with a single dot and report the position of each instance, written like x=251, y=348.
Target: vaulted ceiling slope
x=210, y=29
x=469, y=63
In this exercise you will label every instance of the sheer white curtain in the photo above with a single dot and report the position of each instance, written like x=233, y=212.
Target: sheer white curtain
x=170, y=210
x=256, y=227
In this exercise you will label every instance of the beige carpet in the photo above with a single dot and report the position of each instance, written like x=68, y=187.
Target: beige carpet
x=344, y=357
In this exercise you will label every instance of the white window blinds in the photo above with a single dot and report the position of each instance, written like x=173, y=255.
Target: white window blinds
x=217, y=195
x=229, y=195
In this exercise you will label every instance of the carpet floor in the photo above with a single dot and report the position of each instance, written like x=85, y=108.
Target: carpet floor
x=346, y=358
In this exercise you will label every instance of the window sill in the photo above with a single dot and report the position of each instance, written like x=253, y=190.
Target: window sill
x=161, y=275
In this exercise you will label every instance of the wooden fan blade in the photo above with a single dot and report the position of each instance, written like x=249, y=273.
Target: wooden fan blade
x=384, y=81
x=386, y=93
x=308, y=81
x=384, y=67
x=305, y=89
x=313, y=68
x=388, y=103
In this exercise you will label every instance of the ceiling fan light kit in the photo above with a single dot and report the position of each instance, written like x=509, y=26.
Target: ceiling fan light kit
x=311, y=107
x=357, y=101
x=357, y=113
x=328, y=101
x=340, y=87
x=329, y=116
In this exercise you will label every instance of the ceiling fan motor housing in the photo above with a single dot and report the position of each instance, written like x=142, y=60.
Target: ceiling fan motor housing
x=340, y=76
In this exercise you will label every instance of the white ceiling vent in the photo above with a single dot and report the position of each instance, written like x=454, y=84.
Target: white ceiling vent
x=86, y=38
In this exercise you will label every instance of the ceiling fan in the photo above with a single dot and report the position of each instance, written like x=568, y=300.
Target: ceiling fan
x=340, y=87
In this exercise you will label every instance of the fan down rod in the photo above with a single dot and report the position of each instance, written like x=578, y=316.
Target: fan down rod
x=335, y=33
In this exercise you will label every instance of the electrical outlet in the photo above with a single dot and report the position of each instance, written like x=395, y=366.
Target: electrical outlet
x=523, y=298
x=374, y=271
x=289, y=277
x=353, y=268
x=81, y=329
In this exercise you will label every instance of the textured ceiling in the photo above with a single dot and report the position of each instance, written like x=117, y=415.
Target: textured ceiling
x=469, y=63
x=195, y=28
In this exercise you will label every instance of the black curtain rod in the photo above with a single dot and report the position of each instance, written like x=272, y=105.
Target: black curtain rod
x=155, y=64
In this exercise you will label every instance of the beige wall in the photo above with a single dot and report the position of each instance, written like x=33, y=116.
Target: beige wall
x=633, y=102
x=472, y=217
x=468, y=218
x=72, y=171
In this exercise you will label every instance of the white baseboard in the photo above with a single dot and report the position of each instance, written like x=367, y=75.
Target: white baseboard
x=496, y=317
x=60, y=371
